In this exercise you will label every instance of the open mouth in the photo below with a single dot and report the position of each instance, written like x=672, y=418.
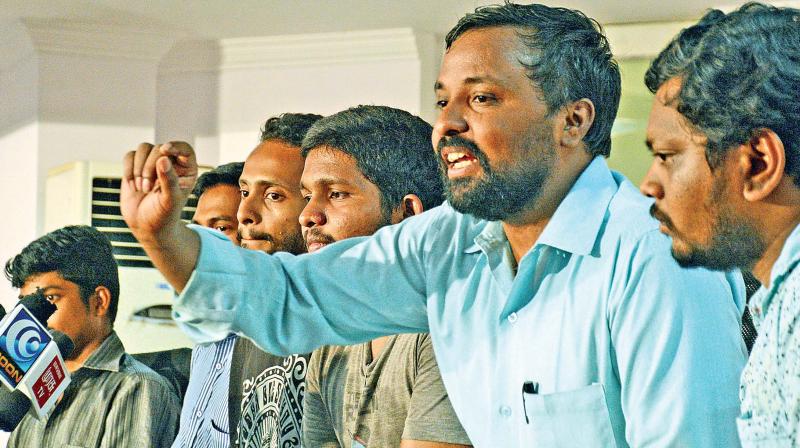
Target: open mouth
x=459, y=161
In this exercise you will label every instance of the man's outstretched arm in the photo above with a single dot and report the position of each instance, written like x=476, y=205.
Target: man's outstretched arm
x=156, y=182
x=349, y=292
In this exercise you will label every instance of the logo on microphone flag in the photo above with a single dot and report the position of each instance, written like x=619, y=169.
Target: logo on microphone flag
x=22, y=341
x=45, y=386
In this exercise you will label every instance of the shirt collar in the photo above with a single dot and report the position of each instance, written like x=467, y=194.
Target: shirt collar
x=107, y=356
x=490, y=238
x=762, y=299
x=575, y=225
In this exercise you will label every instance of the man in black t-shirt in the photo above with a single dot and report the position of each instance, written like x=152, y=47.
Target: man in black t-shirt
x=266, y=391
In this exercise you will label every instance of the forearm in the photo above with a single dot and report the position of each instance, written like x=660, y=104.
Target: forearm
x=424, y=444
x=288, y=304
x=174, y=252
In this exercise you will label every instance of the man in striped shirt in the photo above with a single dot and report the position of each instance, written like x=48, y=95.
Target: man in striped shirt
x=113, y=400
x=204, y=416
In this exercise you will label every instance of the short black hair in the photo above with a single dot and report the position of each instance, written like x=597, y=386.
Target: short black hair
x=568, y=58
x=289, y=128
x=80, y=254
x=673, y=59
x=744, y=78
x=391, y=147
x=227, y=174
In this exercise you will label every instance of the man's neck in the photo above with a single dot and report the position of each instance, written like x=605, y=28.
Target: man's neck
x=377, y=345
x=77, y=361
x=776, y=240
x=524, y=229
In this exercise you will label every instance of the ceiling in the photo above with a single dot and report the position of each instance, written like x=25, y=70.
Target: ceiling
x=240, y=18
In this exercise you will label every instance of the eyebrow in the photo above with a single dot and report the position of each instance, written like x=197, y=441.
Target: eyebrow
x=672, y=143
x=215, y=219
x=438, y=85
x=327, y=181
x=45, y=289
x=264, y=182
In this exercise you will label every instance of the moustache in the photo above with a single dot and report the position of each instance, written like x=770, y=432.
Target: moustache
x=460, y=142
x=255, y=235
x=661, y=217
x=314, y=235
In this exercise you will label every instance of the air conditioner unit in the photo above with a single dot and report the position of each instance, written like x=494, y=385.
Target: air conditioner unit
x=88, y=193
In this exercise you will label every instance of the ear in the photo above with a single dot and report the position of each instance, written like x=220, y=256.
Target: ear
x=410, y=205
x=578, y=118
x=762, y=161
x=102, y=301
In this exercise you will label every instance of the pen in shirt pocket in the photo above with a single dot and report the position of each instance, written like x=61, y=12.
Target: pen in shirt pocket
x=528, y=387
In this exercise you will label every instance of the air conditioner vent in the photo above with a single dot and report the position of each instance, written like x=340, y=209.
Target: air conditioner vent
x=107, y=218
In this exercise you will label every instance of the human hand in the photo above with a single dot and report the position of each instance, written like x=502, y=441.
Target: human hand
x=156, y=181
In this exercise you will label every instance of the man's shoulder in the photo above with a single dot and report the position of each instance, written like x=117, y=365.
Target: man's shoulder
x=333, y=357
x=789, y=292
x=135, y=372
x=629, y=216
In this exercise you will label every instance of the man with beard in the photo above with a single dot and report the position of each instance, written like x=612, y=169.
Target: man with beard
x=368, y=167
x=724, y=136
x=557, y=316
x=266, y=391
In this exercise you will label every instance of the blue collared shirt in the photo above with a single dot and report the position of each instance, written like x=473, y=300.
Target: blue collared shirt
x=204, y=415
x=626, y=348
x=770, y=388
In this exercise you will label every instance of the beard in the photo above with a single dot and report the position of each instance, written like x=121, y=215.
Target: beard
x=735, y=243
x=292, y=242
x=500, y=193
x=318, y=236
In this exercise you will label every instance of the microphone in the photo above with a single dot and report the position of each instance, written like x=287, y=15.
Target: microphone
x=31, y=361
x=15, y=404
x=38, y=305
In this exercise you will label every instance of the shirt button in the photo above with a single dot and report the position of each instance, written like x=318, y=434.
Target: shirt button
x=218, y=366
x=505, y=411
x=198, y=414
x=512, y=317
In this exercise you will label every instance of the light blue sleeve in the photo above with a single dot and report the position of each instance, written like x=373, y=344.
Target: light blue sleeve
x=349, y=292
x=679, y=350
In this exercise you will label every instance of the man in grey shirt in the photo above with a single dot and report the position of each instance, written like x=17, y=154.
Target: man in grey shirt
x=355, y=181
x=113, y=400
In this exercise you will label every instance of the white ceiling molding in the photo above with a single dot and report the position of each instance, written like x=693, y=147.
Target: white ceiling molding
x=97, y=39
x=292, y=50
x=642, y=40
x=323, y=48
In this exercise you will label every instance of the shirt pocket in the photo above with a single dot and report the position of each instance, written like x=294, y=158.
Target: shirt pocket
x=762, y=431
x=576, y=418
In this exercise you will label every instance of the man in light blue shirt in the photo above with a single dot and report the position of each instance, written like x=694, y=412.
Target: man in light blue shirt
x=724, y=136
x=557, y=315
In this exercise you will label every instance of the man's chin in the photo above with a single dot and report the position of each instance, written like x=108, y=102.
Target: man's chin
x=262, y=245
x=697, y=257
x=313, y=247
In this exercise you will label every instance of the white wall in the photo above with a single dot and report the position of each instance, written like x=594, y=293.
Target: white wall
x=217, y=94
x=18, y=197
